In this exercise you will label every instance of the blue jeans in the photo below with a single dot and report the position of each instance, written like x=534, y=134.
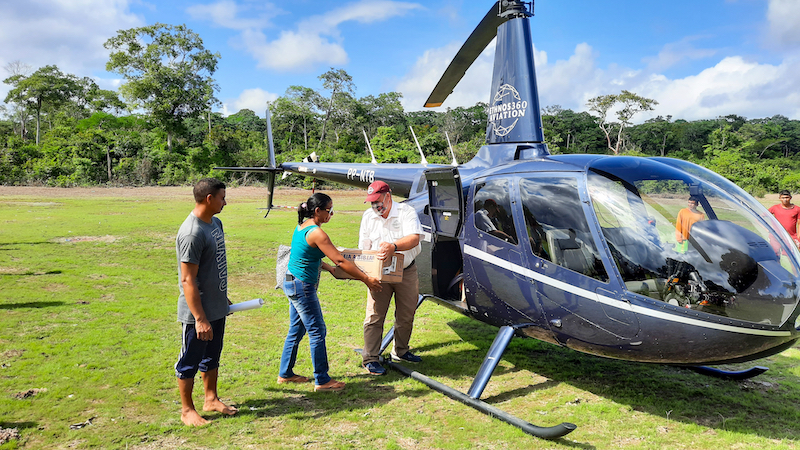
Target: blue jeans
x=305, y=314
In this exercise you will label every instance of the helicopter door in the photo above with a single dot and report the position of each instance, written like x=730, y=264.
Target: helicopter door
x=446, y=204
x=580, y=303
x=446, y=210
x=494, y=284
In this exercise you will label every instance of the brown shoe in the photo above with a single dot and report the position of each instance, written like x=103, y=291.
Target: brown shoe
x=332, y=385
x=293, y=379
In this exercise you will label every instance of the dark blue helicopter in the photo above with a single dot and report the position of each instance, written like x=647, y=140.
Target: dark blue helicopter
x=582, y=250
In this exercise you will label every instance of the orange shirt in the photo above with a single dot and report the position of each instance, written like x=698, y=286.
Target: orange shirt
x=686, y=218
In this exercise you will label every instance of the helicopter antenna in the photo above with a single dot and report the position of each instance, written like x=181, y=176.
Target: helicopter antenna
x=369, y=147
x=454, y=163
x=424, y=161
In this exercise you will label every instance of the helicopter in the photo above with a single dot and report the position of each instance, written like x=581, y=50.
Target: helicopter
x=582, y=250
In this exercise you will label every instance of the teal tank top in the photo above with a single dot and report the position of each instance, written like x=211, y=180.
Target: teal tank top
x=304, y=260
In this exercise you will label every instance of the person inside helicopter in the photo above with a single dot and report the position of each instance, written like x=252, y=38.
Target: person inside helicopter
x=731, y=270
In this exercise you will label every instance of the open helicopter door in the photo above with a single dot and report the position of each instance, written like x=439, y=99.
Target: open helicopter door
x=446, y=210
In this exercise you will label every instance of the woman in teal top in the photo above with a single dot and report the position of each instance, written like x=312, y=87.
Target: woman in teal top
x=309, y=245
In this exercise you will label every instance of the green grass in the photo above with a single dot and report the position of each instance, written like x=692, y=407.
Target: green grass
x=88, y=313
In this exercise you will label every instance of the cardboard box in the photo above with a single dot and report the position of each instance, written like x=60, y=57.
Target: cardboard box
x=389, y=270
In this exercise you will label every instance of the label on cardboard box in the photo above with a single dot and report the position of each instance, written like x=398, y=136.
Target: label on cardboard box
x=389, y=270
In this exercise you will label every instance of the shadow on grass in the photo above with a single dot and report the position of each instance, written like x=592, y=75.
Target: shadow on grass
x=764, y=406
x=30, y=273
x=302, y=402
x=464, y=360
x=30, y=305
x=19, y=425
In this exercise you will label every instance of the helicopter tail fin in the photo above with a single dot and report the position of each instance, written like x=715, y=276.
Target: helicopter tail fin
x=514, y=113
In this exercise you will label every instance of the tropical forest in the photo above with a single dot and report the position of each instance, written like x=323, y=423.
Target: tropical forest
x=162, y=126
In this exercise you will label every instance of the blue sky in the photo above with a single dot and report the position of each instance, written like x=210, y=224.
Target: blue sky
x=698, y=59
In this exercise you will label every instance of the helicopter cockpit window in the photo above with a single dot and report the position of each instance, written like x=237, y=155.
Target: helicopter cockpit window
x=557, y=227
x=493, y=210
x=682, y=240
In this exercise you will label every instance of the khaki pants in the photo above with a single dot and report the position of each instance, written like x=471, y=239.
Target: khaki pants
x=405, y=293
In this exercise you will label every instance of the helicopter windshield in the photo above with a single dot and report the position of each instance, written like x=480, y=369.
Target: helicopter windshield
x=678, y=237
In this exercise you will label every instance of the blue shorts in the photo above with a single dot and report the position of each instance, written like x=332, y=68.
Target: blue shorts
x=199, y=355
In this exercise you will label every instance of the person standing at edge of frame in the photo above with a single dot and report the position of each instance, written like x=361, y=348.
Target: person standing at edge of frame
x=787, y=215
x=390, y=228
x=203, y=302
x=309, y=245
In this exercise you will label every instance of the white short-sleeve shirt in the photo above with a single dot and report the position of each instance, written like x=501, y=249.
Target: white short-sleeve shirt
x=402, y=221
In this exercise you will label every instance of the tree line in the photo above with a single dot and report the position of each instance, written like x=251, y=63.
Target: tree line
x=60, y=129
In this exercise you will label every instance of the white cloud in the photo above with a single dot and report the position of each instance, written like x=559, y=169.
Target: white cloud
x=229, y=14
x=69, y=34
x=66, y=33
x=732, y=86
x=417, y=85
x=674, y=53
x=315, y=41
x=252, y=99
x=783, y=17
x=293, y=50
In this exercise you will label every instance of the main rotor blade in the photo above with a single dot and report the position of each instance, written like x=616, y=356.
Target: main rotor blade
x=469, y=52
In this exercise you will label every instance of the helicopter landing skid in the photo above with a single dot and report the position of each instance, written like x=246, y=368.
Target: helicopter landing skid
x=554, y=432
x=729, y=374
x=472, y=398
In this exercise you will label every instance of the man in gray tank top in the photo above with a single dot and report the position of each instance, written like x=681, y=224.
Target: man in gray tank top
x=203, y=302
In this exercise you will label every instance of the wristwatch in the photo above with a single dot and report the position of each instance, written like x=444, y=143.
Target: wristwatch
x=395, y=247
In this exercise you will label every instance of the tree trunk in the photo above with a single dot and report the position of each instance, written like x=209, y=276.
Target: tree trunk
x=327, y=115
x=619, y=139
x=608, y=136
x=108, y=161
x=38, y=120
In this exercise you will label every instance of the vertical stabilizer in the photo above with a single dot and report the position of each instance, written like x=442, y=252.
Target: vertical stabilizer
x=514, y=114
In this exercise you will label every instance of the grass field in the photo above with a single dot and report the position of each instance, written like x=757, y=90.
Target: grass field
x=88, y=339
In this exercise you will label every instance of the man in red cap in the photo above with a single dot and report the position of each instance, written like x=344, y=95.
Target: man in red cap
x=390, y=228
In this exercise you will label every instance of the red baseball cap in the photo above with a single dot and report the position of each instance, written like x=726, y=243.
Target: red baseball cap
x=375, y=190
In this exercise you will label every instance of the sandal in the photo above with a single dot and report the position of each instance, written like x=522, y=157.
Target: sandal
x=293, y=379
x=332, y=385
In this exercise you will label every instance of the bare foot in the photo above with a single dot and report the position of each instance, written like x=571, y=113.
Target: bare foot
x=218, y=406
x=193, y=419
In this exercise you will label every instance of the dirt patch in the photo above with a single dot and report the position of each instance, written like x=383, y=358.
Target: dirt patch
x=67, y=240
x=29, y=393
x=157, y=192
x=169, y=442
x=8, y=354
x=50, y=192
x=38, y=204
